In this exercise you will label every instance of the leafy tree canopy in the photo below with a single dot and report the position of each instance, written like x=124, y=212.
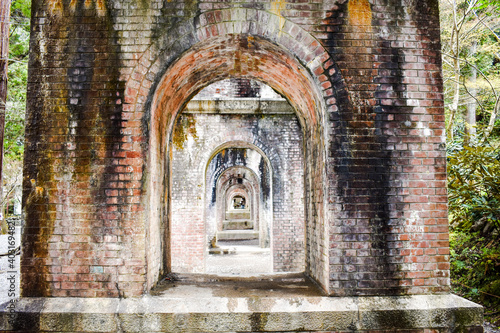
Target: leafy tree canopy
x=18, y=76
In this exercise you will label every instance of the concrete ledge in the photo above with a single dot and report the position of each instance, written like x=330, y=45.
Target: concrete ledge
x=237, y=225
x=239, y=106
x=237, y=235
x=448, y=313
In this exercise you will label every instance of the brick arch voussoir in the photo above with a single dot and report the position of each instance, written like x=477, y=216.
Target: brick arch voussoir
x=269, y=154
x=238, y=190
x=222, y=180
x=217, y=143
x=214, y=59
x=293, y=38
x=251, y=185
x=254, y=178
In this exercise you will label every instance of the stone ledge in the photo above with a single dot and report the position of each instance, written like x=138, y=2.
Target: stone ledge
x=227, y=235
x=239, y=106
x=447, y=313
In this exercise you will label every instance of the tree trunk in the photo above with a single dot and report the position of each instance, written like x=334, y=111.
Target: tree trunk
x=456, y=98
x=470, y=116
x=455, y=50
x=4, y=56
x=493, y=118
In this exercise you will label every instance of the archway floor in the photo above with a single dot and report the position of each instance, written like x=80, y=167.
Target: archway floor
x=268, y=285
x=239, y=258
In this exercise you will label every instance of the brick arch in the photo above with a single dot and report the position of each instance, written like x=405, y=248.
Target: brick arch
x=237, y=56
x=217, y=59
x=266, y=210
x=270, y=157
x=269, y=154
x=143, y=82
x=165, y=50
x=250, y=189
x=240, y=191
x=250, y=56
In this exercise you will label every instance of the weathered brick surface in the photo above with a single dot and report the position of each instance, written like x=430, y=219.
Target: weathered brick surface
x=107, y=79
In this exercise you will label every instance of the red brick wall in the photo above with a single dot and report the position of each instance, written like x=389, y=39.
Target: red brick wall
x=108, y=78
x=391, y=232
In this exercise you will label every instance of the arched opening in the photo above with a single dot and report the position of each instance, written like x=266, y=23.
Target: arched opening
x=240, y=243
x=233, y=56
x=241, y=183
x=238, y=202
x=237, y=191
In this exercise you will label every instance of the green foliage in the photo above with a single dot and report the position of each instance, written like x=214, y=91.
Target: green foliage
x=474, y=186
x=16, y=101
x=18, y=76
x=474, y=213
x=482, y=4
x=471, y=72
x=19, y=29
x=18, y=41
x=475, y=267
x=21, y=9
x=470, y=35
x=15, y=113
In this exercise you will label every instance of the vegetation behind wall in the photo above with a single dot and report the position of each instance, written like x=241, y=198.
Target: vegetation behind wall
x=16, y=105
x=470, y=32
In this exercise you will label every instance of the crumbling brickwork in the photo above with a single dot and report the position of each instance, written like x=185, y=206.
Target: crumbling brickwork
x=108, y=78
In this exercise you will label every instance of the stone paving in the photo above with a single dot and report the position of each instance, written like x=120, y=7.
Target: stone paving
x=242, y=260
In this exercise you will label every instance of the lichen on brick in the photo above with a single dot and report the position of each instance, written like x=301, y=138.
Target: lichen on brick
x=360, y=14
x=185, y=126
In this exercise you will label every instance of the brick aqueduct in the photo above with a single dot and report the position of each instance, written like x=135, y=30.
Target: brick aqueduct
x=108, y=79
x=348, y=181
x=136, y=164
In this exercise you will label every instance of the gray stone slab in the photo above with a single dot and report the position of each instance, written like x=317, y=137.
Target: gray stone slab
x=239, y=106
x=198, y=313
x=237, y=235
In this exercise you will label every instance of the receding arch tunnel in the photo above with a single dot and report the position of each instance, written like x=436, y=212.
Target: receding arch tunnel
x=234, y=134
x=248, y=57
